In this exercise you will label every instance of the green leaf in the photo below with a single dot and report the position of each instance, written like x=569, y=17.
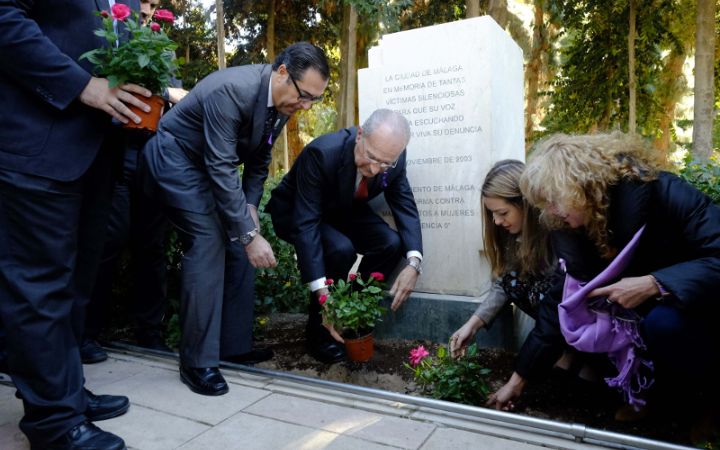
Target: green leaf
x=143, y=60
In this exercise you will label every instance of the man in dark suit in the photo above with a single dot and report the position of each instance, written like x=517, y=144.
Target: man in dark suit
x=321, y=207
x=231, y=117
x=139, y=225
x=55, y=166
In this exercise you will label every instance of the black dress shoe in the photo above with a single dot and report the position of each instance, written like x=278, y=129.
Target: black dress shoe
x=153, y=342
x=204, y=380
x=254, y=356
x=103, y=407
x=91, y=352
x=85, y=436
x=327, y=352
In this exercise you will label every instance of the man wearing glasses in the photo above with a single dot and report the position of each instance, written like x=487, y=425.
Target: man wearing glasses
x=231, y=117
x=321, y=207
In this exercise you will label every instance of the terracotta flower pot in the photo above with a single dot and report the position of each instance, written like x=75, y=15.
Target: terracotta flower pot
x=360, y=349
x=148, y=120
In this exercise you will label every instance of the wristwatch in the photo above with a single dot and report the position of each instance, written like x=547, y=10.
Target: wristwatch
x=247, y=238
x=415, y=264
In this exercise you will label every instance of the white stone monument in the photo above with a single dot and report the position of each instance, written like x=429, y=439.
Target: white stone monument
x=460, y=85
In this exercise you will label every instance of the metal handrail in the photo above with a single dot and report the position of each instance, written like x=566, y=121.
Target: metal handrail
x=574, y=431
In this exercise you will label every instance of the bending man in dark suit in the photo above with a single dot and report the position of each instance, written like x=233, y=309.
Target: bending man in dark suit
x=55, y=183
x=231, y=117
x=321, y=207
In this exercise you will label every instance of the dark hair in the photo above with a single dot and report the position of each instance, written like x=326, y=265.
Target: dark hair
x=301, y=56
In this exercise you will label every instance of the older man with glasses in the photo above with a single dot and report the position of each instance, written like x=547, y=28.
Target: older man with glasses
x=321, y=207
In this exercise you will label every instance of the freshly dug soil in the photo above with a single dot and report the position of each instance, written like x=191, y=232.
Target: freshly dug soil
x=561, y=397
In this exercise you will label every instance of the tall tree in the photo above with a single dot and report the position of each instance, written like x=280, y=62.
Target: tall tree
x=472, y=8
x=672, y=83
x=220, y=20
x=632, y=85
x=592, y=92
x=537, y=68
x=348, y=58
x=195, y=35
x=704, y=112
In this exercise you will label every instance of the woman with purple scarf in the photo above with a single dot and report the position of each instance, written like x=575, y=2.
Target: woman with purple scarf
x=659, y=285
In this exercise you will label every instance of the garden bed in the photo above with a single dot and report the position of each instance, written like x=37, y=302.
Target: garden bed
x=561, y=397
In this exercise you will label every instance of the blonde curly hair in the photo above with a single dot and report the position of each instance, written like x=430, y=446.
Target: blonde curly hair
x=575, y=172
x=529, y=255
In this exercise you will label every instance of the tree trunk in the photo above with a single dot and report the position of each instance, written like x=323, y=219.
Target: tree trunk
x=472, y=8
x=280, y=150
x=270, y=43
x=348, y=73
x=704, y=95
x=673, y=76
x=220, y=21
x=295, y=144
x=539, y=47
x=498, y=10
x=632, y=88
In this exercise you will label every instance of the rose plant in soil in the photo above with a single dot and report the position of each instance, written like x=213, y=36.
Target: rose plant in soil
x=353, y=306
x=462, y=380
x=145, y=58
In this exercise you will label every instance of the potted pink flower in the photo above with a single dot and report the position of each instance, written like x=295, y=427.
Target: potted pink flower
x=146, y=58
x=353, y=308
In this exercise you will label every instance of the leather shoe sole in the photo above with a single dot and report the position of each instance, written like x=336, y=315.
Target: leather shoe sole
x=204, y=381
x=327, y=352
x=84, y=436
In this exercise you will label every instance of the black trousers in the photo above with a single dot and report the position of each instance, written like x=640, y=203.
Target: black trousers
x=138, y=223
x=363, y=232
x=51, y=237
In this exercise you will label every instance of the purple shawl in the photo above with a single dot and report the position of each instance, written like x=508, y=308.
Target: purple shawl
x=597, y=326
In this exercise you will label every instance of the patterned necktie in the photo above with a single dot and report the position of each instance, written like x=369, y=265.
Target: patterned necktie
x=270, y=119
x=362, y=190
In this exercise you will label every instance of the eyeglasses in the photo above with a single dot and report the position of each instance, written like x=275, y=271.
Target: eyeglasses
x=370, y=157
x=304, y=96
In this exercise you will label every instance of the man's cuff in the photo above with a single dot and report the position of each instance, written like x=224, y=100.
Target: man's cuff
x=317, y=284
x=414, y=253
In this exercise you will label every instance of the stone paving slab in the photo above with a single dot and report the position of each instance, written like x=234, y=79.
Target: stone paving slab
x=374, y=427
x=246, y=431
x=148, y=429
x=162, y=390
x=263, y=412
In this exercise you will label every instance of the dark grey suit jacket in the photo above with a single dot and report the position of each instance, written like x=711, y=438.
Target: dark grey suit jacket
x=320, y=188
x=193, y=158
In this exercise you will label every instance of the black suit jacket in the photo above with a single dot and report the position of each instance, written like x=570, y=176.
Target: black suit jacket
x=45, y=130
x=320, y=188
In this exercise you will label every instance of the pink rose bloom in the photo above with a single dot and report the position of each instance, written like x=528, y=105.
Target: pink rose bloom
x=329, y=281
x=120, y=11
x=163, y=15
x=378, y=276
x=104, y=14
x=417, y=355
x=155, y=27
x=323, y=298
x=352, y=277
